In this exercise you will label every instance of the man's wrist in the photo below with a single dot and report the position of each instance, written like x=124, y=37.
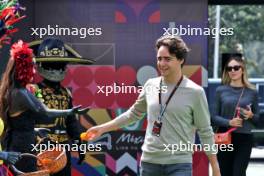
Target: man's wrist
x=103, y=128
x=215, y=165
x=213, y=161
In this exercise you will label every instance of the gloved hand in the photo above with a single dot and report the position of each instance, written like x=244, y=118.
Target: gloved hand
x=42, y=132
x=77, y=110
x=10, y=157
x=83, y=110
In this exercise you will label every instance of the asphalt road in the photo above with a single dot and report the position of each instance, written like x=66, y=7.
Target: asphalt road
x=256, y=164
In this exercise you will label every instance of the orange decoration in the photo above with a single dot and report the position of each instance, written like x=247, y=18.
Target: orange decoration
x=87, y=136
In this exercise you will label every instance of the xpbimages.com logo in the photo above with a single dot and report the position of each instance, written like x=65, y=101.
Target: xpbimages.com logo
x=107, y=90
x=57, y=30
x=82, y=148
x=190, y=147
x=189, y=30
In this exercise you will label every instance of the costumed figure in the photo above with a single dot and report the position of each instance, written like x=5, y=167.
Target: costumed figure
x=20, y=108
x=8, y=16
x=52, y=57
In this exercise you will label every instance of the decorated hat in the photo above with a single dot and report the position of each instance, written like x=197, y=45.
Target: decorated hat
x=54, y=50
x=227, y=56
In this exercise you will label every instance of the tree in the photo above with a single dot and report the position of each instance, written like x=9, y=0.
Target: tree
x=247, y=22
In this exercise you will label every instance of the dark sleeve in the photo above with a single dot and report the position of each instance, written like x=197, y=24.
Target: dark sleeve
x=217, y=119
x=24, y=100
x=73, y=126
x=255, y=109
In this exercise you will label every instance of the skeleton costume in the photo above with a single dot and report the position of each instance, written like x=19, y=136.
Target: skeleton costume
x=22, y=108
x=52, y=57
x=9, y=15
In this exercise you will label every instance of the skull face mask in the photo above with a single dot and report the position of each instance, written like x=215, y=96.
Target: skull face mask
x=52, y=71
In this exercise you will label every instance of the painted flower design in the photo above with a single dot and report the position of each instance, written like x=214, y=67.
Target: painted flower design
x=34, y=89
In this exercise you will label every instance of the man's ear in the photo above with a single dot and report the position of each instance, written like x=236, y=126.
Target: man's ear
x=182, y=61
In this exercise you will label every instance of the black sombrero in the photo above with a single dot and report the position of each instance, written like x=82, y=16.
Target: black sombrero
x=54, y=50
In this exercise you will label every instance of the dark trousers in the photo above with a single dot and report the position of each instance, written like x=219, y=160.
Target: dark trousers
x=234, y=163
x=180, y=169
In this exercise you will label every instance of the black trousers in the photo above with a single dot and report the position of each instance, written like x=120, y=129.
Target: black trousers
x=235, y=163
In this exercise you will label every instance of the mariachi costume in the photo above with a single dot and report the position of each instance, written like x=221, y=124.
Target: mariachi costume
x=52, y=57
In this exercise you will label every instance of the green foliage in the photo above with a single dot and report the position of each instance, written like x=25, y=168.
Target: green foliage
x=247, y=22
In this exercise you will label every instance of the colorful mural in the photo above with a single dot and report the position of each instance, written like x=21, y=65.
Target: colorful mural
x=125, y=56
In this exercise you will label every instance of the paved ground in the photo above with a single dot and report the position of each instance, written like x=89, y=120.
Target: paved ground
x=256, y=165
x=255, y=169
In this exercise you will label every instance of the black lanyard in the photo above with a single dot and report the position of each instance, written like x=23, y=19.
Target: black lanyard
x=162, y=109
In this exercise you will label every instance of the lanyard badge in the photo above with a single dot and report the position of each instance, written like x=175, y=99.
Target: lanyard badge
x=158, y=123
x=156, y=128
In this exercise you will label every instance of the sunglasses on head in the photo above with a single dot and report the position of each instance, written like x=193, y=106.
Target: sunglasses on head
x=230, y=68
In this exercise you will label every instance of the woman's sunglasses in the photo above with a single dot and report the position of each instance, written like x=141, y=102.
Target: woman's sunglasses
x=236, y=68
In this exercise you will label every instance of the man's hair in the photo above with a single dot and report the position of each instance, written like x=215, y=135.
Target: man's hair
x=175, y=45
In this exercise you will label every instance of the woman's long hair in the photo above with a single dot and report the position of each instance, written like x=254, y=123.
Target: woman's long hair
x=19, y=71
x=7, y=84
x=226, y=79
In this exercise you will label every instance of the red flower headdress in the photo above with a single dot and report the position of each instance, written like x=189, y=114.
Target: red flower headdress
x=8, y=16
x=24, y=63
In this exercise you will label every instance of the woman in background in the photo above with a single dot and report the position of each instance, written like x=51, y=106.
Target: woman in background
x=235, y=95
